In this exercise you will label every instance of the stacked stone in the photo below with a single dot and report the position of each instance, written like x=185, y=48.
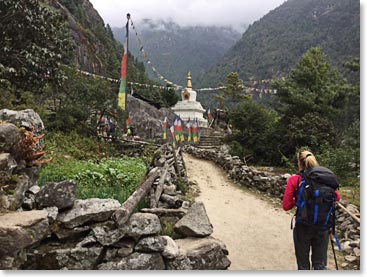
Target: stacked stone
x=274, y=186
x=15, y=176
x=350, y=239
x=48, y=228
x=80, y=234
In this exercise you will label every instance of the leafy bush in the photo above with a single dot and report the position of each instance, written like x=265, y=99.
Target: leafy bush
x=255, y=130
x=115, y=178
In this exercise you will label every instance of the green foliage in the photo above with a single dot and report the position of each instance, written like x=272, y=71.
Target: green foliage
x=34, y=41
x=312, y=87
x=109, y=178
x=168, y=224
x=320, y=110
x=256, y=130
x=351, y=194
x=76, y=104
x=233, y=91
x=13, y=98
x=182, y=185
x=92, y=164
x=345, y=159
x=236, y=149
x=62, y=146
x=309, y=102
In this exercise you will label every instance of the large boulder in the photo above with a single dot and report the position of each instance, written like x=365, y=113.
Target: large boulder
x=19, y=230
x=195, y=223
x=147, y=119
x=200, y=254
x=26, y=118
x=9, y=138
x=61, y=195
x=89, y=210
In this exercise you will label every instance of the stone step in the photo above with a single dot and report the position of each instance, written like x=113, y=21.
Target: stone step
x=209, y=146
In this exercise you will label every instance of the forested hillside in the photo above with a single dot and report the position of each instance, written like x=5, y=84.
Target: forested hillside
x=45, y=44
x=174, y=50
x=275, y=43
x=98, y=51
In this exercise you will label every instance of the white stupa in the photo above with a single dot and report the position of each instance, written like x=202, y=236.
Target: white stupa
x=188, y=107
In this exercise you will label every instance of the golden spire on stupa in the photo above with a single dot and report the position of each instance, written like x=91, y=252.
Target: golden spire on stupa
x=189, y=84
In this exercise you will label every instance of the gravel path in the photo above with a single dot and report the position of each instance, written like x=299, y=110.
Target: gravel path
x=256, y=233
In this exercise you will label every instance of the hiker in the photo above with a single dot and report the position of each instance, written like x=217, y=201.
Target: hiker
x=308, y=236
x=131, y=132
x=101, y=125
x=111, y=127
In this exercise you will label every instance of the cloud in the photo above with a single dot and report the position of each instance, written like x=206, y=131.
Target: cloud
x=186, y=12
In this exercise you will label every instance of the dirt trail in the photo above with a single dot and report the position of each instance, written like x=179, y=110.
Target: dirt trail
x=256, y=233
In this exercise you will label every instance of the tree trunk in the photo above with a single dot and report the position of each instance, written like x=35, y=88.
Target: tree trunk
x=122, y=215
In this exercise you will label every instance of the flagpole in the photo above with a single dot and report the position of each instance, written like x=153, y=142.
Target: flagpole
x=122, y=96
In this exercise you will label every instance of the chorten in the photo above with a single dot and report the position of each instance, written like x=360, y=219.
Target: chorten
x=188, y=107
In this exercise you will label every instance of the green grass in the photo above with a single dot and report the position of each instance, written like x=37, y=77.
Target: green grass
x=92, y=164
x=115, y=178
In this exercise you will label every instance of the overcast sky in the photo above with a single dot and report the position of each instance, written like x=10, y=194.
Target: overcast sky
x=186, y=12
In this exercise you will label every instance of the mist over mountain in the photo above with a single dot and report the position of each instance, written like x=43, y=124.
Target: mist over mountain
x=174, y=50
x=275, y=43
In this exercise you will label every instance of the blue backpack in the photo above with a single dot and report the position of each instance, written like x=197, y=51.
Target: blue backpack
x=316, y=201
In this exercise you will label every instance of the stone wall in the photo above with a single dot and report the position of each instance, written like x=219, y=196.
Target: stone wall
x=273, y=185
x=15, y=175
x=49, y=228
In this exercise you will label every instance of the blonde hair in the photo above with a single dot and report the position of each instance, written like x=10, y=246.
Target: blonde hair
x=307, y=160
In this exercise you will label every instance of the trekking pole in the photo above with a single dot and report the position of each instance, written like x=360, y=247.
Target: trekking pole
x=332, y=247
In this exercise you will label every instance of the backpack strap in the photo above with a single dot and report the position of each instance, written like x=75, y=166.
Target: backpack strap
x=298, y=197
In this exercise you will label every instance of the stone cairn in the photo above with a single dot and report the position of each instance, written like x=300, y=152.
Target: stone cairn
x=273, y=185
x=49, y=228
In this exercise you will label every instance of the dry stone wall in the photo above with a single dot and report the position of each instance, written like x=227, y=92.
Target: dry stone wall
x=274, y=185
x=49, y=228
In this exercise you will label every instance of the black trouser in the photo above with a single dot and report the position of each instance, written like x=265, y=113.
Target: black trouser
x=307, y=238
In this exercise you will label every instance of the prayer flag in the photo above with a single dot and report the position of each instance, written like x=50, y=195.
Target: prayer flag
x=188, y=125
x=123, y=84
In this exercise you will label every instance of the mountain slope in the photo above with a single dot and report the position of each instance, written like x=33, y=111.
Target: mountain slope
x=97, y=51
x=275, y=43
x=174, y=50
